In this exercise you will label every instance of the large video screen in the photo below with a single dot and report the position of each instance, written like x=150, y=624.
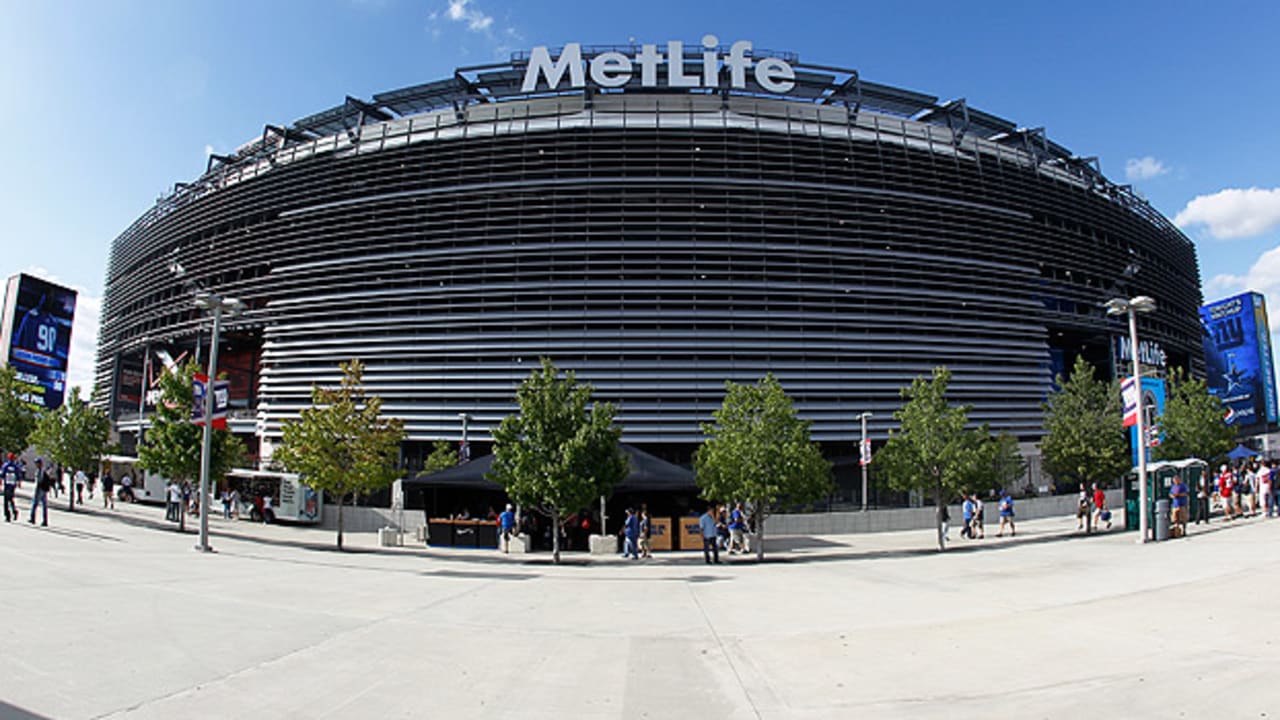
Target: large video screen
x=1238, y=363
x=38, y=326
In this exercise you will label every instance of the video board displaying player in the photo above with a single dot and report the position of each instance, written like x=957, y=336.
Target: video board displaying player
x=38, y=320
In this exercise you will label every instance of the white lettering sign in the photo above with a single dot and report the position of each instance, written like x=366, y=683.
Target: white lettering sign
x=613, y=69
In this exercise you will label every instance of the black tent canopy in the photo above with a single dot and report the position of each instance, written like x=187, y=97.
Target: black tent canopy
x=648, y=474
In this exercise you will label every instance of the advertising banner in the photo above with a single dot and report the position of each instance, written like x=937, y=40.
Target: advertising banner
x=37, y=337
x=1152, y=408
x=1129, y=397
x=1238, y=363
x=221, y=398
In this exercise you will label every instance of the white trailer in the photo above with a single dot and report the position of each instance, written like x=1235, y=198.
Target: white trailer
x=291, y=500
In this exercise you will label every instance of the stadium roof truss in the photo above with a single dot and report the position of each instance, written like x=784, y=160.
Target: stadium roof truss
x=496, y=83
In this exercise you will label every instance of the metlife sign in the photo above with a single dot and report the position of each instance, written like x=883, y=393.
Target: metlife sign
x=614, y=69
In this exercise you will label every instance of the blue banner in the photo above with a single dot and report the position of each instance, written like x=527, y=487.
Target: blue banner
x=1152, y=409
x=1237, y=354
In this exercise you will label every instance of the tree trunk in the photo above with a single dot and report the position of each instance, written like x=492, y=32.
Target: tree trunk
x=555, y=536
x=182, y=513
x=759, y=536
x=341, y=499
x=71, y=496
x=1088, y=512
x=939, y=508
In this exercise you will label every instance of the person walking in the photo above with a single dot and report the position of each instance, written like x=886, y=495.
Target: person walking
x=1006, y=514
x=710, y=539
x=1202, y=499
x=978, y=521
x=40, y=499
x=646, y=533
x=737, y=530
x=267, y=514
x=108, y=491
x=78, y=482
x=11, y=472
x=1100, y=507
x=1225, y=491
x=173, y=508
x=126, y=487
x=1275, y=489
x=630, y=535
x=507, y=527
x=226, y=503
x=966, y=514
x=1082, y=507
x=1179, y=499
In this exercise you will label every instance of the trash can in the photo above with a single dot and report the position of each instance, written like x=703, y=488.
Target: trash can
x=1162, y=520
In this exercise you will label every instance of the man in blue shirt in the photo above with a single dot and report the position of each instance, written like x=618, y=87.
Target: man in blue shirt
x=710, y=544
x=1006, y=514
x=967, y=511
x=631, y=535
x=11, y=473
x=507, y=525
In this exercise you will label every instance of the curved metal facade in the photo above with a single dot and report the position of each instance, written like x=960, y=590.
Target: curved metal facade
x=657, y=244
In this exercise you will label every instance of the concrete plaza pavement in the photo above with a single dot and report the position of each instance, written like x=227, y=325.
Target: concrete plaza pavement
x=115, y=615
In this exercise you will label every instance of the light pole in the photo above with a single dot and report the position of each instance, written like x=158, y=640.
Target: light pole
x=218, y=306
x=464, y=453
x=864, y=457
x=1133, y=306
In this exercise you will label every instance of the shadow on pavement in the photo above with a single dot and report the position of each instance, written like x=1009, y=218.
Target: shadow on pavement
x=16, y=713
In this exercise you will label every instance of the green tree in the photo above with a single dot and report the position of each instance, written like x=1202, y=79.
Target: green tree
x=556, y=455
x=342, y=444
x=932, y=451
x=443, y=456
x=1193, y=423
x=1007, y=466
x=75, y=436
x=1084, y=439
x=759, y=451
x=17, y=419
x=173, y=443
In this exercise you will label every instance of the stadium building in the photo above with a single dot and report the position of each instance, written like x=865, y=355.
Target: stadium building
x=658, y=227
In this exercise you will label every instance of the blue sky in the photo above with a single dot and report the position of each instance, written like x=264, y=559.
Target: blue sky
x=109, y=104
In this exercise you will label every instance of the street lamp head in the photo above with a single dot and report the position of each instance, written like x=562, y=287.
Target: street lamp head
x=232, y=306
x=1143, y=303
x=1116, y=306
x=204, y=301
x=864, y=415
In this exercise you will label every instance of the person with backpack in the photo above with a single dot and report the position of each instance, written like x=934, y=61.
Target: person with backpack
x=1006, y=514
x=40, y=499
x=108, y=488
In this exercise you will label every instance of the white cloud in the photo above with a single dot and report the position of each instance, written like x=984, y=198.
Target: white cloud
x=1234, y=212
x=476, y=20
x=84, y=332
x=1144, y=168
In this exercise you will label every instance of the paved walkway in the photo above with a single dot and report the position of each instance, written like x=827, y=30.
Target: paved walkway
x=115, y=615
